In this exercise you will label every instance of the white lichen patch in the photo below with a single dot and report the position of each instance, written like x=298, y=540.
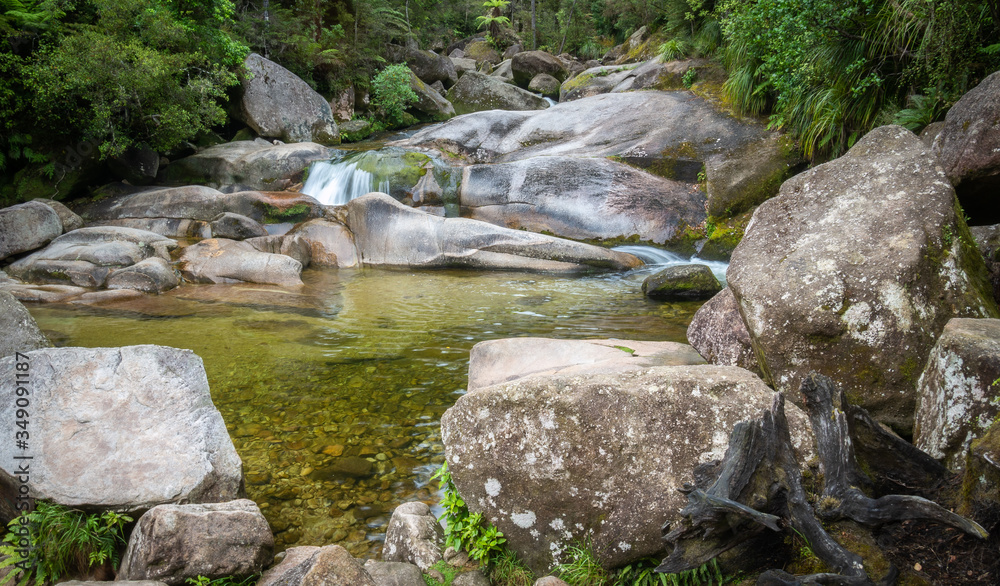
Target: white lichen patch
x=492, y=487
x=524, y=520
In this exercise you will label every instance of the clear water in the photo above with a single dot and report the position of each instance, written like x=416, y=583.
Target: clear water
x=357, y=365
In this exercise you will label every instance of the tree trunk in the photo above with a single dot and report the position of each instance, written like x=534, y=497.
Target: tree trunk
x=534, y=35
x=569, y=21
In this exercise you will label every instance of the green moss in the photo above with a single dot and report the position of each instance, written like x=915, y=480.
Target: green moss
x=449, y=572
x=578, y=81
x=296, y=213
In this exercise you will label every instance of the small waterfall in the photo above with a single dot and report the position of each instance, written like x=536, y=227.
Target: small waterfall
x=339, y=183
x=550, y=101
x=657, y=259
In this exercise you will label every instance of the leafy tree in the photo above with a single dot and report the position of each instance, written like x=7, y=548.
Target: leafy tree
x=392, y=93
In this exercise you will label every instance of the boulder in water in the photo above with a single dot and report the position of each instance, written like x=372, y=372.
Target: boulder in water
x=419, y=239
x=682, y=283
x=291, y=245
x=854, y=269
x=331, y=243
x=277, y=104
x=544, y=84
x=246, y=165
x=355, y=130
x=153, y=275
x=218, y=260
x=145, y=409
x=236, y=227
x=477, y=91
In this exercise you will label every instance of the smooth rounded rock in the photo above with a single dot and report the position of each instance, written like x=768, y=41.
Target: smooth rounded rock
x=27, y=226
x=477, y=91
x=218, y=260
x=276, y=103
x=236, y=227
x=153, y=275
x=18, y=330
x=413, y=536
x=682, y=283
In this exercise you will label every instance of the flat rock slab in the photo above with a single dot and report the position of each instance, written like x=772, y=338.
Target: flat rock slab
x=218, y=260
x=500, y=361
x=120, y=428
x=854, y=269
x=958, y=400
x=419, y=239
x=86, y=257
x=554, y=460
x=175, y=543
x=18, y=330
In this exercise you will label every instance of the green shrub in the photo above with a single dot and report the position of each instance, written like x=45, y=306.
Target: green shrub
x=465, y=530
x=392, y=94
x=61, y=542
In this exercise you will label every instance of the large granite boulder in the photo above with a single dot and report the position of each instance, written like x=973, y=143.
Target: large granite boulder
x=690, y=282
x=236, y=227
x=418, y=239
x=189, y=211
x=121, y=429
x=27, y=226
x=969, y=149
x=287, y=244
x=507, y=359
x=430, y=67
x=218, y=260
x=555, y=460
x=18, y=330
x=395, y=574
x=463, y=65
x=594, y=81
x=718, y=333
x=544, y=84
x=430, y=106
x=854, y=269
x=175, y=543
x=740, y=180
x=153, y=275
x=331, y=243
x=527, y=64
x=70, y=221
x=308, y=565
x=278, y=104
x=477, y=91
x=413, y=536
x=86, y=257
x=246, y=165
x=958, y=400
x=581, y=198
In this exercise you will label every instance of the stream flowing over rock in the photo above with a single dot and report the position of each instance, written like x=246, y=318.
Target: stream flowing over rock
x=853, y=270
x=501, y=361
x=86, y=257
x=144, y=411
x=175, y=543
x=246, y=165
x=278, y=104
x=419, y=239
x=958, y=401
x=554, y=460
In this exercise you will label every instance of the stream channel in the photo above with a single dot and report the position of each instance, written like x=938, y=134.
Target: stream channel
x=333, y=392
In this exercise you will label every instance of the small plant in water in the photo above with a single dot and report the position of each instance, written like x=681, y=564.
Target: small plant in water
x=54, y=542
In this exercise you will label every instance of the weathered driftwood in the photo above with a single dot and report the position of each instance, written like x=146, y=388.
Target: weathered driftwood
x=758, y=484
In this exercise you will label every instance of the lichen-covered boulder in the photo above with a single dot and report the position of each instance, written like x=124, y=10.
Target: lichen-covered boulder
x=418, y=239
x=355, y=130
x=287, y=244
x=682, y=283
x=144, y=411
x=477, y=91
x=854, y=269
x=463, y=65
x=969, y=149
x=175, y=543
x=527, y=64
x=70, y=221
x=430, y=106
x=556, y=460
x=86, y=257
x=501, y=361
x=27, y=226
x=395, y=574
x=979, y=498
x=278, y=104
x=958, y=401
x=482, y=52
x=413, y=536
x=18, y=330
x=544, y=84
x=218, y=260
x=331, y=565
x=718, y=333
x=594, y=81
x=153, y=275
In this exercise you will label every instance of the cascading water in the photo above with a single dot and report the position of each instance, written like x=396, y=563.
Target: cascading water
x=339, y=183
x=657, y=259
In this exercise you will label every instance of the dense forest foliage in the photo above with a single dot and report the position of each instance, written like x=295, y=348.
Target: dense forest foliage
x=110, y=74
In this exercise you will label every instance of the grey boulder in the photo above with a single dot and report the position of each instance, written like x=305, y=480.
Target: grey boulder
x=70, y=221
x=958, y=401
x=236, y=227
x=682, y=283
x=527, y=64
x=552, y=460
x=218, y=260
x=18, y=330
x=477, y=91
x=277, y=104
x=308, y=565
x=146, y=410
x=27, y=226
x=430, y=106
x=394, y=573
x=86, y=257
x=544, y=84
x=287, y=244
x=718, y=333
x=246, y=165
x=174, y=543
x=153, y=275
x=508, y=359
x=331, y=243
x=854, y=269
x=413, y=536
x=422, y=240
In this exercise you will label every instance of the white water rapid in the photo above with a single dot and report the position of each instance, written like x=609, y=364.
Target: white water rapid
x=657, y=259
x=339, y=183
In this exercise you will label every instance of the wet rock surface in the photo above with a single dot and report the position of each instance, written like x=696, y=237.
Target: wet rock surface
x=682, y=282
